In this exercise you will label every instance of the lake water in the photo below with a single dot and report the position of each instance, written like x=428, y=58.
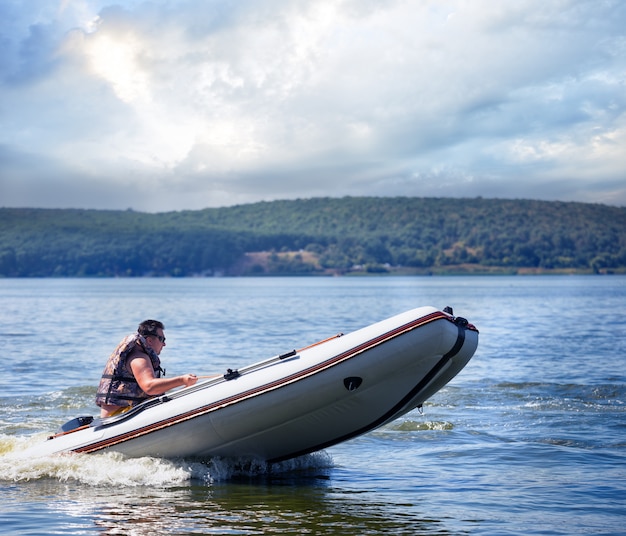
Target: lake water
x=530, y=438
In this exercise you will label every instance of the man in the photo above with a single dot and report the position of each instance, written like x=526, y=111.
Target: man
x=133, y=372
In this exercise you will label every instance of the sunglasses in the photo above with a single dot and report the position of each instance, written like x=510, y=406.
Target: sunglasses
x=161, y=338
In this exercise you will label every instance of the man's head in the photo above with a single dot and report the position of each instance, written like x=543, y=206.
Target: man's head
x=152, y=330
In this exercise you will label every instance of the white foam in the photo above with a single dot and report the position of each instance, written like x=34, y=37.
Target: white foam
x=113, y=469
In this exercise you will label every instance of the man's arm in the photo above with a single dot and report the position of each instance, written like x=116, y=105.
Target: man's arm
x=144, y=374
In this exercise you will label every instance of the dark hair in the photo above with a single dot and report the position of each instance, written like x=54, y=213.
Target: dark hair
x=149, y=327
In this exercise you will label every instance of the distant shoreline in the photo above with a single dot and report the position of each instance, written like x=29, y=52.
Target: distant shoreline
x=400, y=272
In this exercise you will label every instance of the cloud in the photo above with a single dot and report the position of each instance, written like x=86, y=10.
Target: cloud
x=202, y=103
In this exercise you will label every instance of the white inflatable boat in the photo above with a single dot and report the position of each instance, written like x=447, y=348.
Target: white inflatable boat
x=291, y=404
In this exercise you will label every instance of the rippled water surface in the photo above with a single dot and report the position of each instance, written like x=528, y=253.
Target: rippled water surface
x=529, y=439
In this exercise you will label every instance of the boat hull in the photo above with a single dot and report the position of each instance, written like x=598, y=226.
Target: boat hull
x=293, y=404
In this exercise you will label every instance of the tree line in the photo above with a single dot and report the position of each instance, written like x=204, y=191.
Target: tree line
x=317, y=236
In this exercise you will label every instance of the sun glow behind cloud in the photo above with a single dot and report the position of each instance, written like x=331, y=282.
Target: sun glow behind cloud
x=116, y=61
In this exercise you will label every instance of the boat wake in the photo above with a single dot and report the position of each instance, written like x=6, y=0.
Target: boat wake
x=112, y=469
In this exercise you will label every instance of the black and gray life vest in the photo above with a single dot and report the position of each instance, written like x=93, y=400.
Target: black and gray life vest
x=118, y=386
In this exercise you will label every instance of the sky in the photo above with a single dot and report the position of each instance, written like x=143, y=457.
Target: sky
x=165, y=105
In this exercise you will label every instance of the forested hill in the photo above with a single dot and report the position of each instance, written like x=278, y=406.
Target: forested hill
x=318, y=236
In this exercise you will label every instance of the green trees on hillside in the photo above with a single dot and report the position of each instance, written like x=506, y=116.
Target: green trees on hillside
x=340, y=235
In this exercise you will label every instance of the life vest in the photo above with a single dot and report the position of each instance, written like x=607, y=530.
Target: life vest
x=118, y=386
